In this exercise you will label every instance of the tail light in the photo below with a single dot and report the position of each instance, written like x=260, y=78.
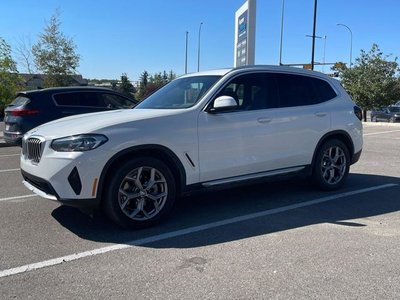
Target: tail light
x=23, y=112
x=358, y=112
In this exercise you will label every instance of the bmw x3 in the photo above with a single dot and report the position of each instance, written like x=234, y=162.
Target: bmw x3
x=202, y=130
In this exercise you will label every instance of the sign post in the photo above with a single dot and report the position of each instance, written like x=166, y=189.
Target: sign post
x=245, y=34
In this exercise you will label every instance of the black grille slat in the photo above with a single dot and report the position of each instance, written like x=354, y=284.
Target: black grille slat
x=33, y=149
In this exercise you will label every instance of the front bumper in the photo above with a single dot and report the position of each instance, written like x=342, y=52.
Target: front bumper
x=67, y=177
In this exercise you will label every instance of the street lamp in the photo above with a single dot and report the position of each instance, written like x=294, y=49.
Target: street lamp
x=198, y=49
x=186, y=51
x=351, y=41
x=280, y=48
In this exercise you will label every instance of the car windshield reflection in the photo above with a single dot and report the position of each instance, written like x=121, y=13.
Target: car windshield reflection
x=180, y=93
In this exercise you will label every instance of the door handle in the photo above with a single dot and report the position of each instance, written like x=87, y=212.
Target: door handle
x=321, y=114
x=264, y=120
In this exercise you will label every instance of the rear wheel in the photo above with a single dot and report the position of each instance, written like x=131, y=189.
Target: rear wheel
x=331, y=165
x=141, y=193
x=374, y=119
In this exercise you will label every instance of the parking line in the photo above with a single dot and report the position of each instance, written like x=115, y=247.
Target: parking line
x=181, y=232
x=9, y=170
x=382, y=132
x=18, y=197
x=8, y=155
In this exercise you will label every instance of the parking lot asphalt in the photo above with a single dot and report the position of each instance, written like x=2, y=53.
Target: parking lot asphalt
x=281, y=240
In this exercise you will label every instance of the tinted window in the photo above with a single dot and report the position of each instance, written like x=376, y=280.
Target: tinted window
x=296, y=90
x=253, y=91
x=68, y=99
x=324, y=90
x=91, y=99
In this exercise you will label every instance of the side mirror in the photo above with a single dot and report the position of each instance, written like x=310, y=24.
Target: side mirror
x=224, y=103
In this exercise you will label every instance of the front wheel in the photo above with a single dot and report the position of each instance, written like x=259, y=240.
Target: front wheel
x=140, y=193
x=331, y=165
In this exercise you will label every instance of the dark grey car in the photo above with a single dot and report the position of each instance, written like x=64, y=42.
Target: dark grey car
x=387, y=114
x=33, y=108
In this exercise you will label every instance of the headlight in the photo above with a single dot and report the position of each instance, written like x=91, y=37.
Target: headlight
x=83, y=142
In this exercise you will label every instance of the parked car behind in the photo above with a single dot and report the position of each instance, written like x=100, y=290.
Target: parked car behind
x=388, y=114
x=33, y=108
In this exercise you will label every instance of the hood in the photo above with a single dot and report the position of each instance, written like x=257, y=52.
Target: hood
x=93, y=122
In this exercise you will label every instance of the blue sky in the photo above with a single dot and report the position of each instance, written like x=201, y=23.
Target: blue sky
x=122, y=36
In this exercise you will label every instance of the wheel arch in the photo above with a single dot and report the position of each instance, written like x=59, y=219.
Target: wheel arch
x=340, y=135
x=157, y=151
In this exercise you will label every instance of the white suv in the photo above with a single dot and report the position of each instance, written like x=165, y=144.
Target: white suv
x=201, y=130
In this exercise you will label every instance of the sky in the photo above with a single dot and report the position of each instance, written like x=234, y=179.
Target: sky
x=130, y=36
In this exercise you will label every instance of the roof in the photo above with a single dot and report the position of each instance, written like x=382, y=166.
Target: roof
x=222, y=72
x=66, y=89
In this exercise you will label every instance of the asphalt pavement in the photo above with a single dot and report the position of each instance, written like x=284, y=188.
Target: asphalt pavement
x=281, y=240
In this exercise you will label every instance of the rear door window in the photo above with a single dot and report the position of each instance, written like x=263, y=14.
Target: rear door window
x=67, y=99
x=296, y=90
x=83, y=99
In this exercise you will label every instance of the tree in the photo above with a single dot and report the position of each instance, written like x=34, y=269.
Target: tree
x=9, y=79
x=148, y=84
x=372, y=82
x=55, y=54
x=126, y=87
x=23, y=50
x=143, y=81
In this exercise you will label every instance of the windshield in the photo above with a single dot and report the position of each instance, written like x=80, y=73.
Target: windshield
x=180, y=93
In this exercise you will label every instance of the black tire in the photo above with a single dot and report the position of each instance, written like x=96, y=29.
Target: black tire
x=324, y=163
x=118, y=205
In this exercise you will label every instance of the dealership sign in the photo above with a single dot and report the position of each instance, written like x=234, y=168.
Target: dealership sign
x=245, y=19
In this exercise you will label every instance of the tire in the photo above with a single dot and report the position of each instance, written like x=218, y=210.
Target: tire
x=331, y=165
x=374, y=119
x=140, y=193
x=391, y=120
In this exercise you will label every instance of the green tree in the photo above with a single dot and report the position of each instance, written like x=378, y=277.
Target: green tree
x=150, y=83
x=143, y=82
x=55, y=55
x=9, y=79
x=126, y=87
x=372, y=81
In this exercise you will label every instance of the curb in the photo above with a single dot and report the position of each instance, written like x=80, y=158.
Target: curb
x=381, y=124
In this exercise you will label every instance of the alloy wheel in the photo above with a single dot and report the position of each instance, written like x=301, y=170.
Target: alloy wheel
x=143, y=193
x=333, y=165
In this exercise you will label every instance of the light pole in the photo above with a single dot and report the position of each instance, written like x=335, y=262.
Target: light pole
x=313, y=35
x=186, y=51
x=280, y=47
x=351, y=41
x=198, y=49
